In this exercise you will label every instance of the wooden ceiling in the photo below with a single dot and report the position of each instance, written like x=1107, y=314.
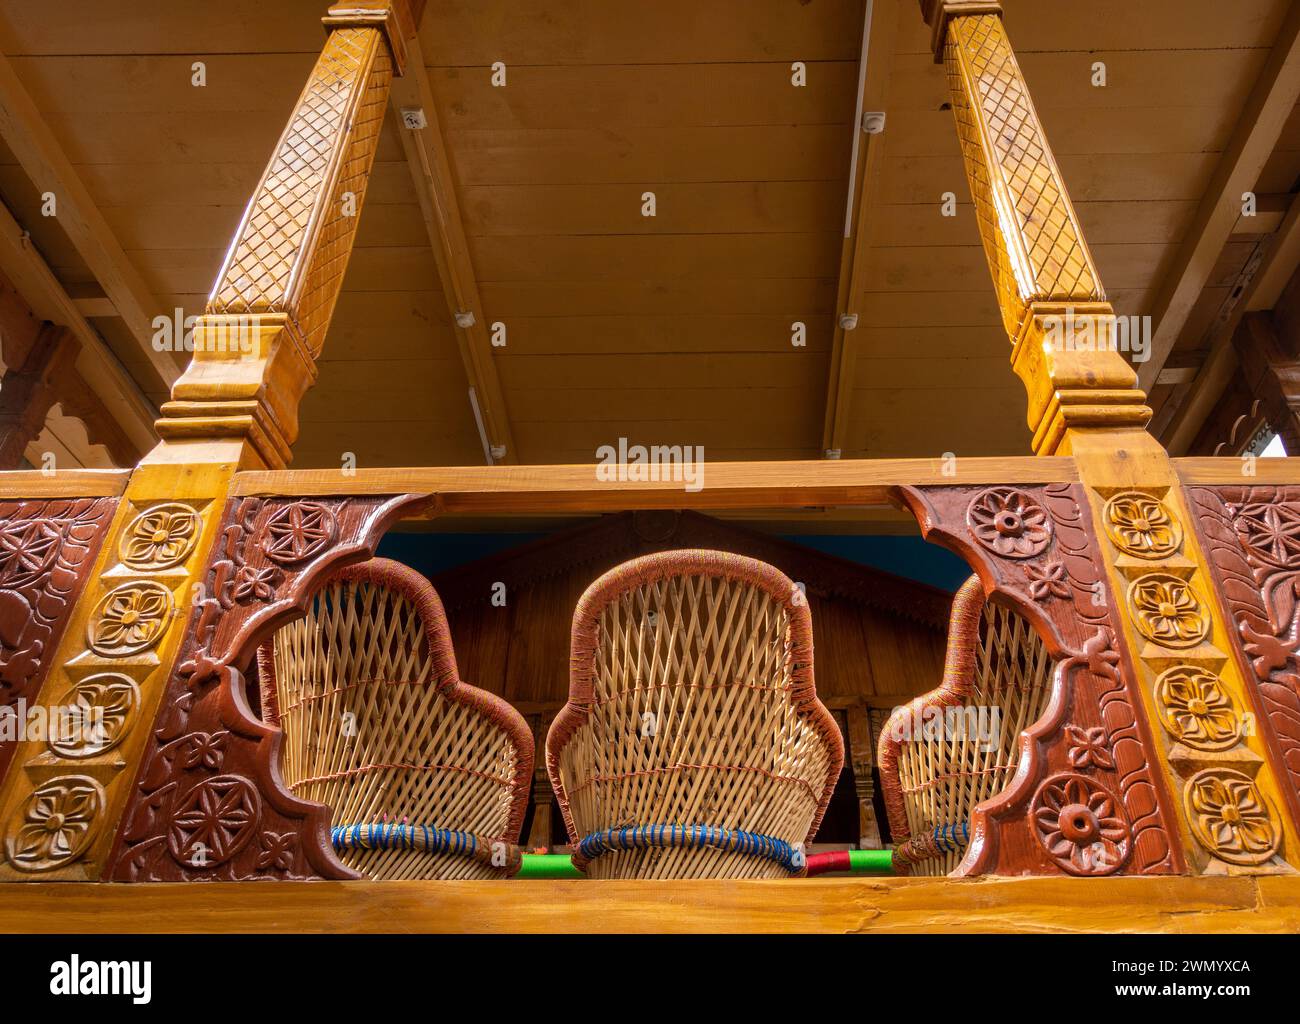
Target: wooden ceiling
x=674, y=329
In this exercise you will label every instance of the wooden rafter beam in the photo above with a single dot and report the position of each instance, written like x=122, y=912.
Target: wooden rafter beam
x=864, y=187
x=435, y=188
x=1261, y=291
x=42, y=158
x=96, y=365
x=1258, y=129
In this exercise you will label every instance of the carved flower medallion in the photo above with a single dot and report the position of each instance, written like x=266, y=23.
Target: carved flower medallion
x=1140, y=525
x=99, y=710
x=1196, y=709
x=57, y=824
x=130, y=619
x=1167, y=611
x=298, y=531
x=160, y=537
x=1230, y=817
x=1009, y=522
x=1080, y=825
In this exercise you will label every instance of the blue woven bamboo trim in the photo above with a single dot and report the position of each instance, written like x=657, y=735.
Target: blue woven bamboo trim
x=386, y=836
x=642, y=837
x=951, y=838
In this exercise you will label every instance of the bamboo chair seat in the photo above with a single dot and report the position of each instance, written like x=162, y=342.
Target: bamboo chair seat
x=938, y=757
x=693, y=744
x=425, y=776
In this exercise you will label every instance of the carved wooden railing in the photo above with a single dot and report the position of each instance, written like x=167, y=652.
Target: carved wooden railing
x=1165, y=588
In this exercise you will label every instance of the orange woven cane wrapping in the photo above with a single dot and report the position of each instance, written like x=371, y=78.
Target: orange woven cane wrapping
x=958, y=675
x=936, y=767
x=691, y=696
x=354, y=656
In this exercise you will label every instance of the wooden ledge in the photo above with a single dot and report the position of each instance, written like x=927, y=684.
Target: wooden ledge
x=1242, y=904
x=860, y=483
x=66, y=483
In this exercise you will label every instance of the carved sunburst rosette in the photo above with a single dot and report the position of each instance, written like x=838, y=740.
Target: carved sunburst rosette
x=57, y=823
x=130, y=619
x=1196, y=709
x=1081, y=825
x=160, y=537
x=214, y=821
x=1270, y=532
x=1140, y=525
x=1230, y=817
x=1009, y=522
x=1167, y=611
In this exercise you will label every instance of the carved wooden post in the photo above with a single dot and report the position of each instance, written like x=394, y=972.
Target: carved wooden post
x=1272, y=375
x=234, y=407
x=27, y=392
x=862, y=759
x=1083, y=401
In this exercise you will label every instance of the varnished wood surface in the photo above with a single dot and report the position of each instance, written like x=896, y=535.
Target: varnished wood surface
x=1208, y=470
x=66, y=483
x=726, y=484
x=1189, y=905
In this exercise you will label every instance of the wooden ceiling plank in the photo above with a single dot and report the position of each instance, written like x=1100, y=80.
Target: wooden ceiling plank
x=435, y=187
x=1261, y=121
x=25, y=268
x=29, y=137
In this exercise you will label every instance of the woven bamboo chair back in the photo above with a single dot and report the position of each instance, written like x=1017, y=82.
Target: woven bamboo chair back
x=379, y=727
x=957, y=746
x=692, y=709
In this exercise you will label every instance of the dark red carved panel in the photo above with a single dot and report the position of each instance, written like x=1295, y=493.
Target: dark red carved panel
x=1035, y=546
x=1252, y=541
x=47, y=549
x=208, y=803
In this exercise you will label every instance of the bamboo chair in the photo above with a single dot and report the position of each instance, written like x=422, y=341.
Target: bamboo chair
x=935, y=766
x=425, y=775
x=693, y=744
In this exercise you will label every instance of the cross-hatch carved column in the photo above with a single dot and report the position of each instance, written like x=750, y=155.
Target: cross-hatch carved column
x=234, y=407
x=1083, y=401
x=256, y=345
x=1046, y=282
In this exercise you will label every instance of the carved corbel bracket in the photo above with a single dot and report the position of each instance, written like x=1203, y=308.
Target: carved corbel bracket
x=1084, y=800
x=208, y=802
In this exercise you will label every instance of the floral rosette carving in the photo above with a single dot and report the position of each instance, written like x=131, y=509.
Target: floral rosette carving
x=1167, y=611
x=1196, y=709
x=99, y=709
x=1230, y=817
x=130, y=619
x=160, y=537
x=1140, y=525
x=1009, y=522
x=298, y=531
x=1270, y=532
x=1081, y=825
x=57, y=824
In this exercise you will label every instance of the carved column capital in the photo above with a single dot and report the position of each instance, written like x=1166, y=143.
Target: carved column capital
x=938, y=13
x=397, y=19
